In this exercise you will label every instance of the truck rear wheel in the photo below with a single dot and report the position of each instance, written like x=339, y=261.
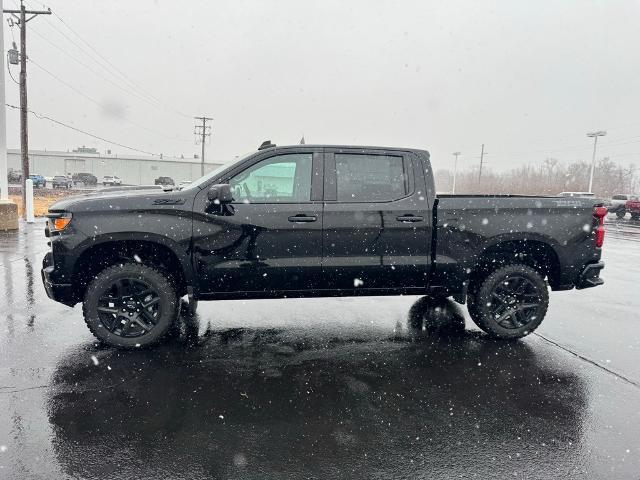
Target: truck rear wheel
x=620, y=213
x=510, y=302
x=130, y=305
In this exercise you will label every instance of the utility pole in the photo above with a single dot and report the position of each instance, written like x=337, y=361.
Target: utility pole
x=481, y=161
x=595, y=136
x=202, y=132
x=24, y=109
x=455, y=172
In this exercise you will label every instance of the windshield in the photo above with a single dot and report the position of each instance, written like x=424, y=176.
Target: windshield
x=217, y=171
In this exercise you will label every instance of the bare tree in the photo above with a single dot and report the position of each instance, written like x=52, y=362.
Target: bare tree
x=550, y=177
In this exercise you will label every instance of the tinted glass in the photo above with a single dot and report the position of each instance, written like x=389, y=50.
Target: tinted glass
x=370, y=178
x=283, y=178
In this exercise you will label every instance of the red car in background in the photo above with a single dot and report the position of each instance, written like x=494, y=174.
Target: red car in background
x=633, y=207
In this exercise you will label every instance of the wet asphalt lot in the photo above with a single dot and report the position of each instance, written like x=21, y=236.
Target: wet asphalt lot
x=391, y=387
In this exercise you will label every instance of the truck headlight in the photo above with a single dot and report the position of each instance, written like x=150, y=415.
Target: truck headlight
x=59, y=221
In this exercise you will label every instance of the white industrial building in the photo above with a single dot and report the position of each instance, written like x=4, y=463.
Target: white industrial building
x=133, y=170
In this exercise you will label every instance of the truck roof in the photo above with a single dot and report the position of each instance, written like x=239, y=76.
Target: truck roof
x=345, y=147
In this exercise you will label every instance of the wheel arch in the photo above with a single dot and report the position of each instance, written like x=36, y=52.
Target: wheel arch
x=153, y=250
x=536, y=251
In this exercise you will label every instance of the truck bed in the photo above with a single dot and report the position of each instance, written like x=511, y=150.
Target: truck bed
x=469, y=225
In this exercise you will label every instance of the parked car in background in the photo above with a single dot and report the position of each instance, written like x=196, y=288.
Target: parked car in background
x=633, y=207
x=618, y=203
x=14, y=176
x=61, y=181
x=164, y=181
x=38, y=181
x=576, y=194
x=111, y=180
x=84, y=178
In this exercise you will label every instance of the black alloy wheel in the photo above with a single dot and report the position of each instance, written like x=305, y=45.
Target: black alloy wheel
x=129, y=308
x=514, y=302
x=130, y=305
x=510, y=302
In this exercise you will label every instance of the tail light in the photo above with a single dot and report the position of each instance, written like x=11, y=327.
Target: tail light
x=599, y=213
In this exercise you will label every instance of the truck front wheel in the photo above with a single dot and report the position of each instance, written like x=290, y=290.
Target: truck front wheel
x=130, y=305
x=510, y=302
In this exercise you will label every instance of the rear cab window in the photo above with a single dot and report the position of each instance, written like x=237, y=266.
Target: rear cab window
x=368, y=177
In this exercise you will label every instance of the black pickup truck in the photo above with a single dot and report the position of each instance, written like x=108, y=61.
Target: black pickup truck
x=313, y=221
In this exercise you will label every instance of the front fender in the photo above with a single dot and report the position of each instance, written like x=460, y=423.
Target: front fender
x=181, y=249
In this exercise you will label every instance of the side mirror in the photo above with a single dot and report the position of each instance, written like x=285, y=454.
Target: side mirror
x=220, y=193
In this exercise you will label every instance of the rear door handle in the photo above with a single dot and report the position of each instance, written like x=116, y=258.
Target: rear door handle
x=302, y=218
x=409, y=218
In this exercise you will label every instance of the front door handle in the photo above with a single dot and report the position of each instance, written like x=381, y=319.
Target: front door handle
x=409, y=218
x=302, y=218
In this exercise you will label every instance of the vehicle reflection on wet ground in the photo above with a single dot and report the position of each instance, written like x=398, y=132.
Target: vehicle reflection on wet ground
x=398, y=387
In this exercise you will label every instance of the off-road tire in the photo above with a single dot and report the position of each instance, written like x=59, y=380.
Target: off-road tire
x=481, y=301
x=169, y=304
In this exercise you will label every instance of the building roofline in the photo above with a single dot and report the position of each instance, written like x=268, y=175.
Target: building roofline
x=55, y=153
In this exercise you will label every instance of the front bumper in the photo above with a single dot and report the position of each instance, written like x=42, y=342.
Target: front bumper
x=590, y=276
x=60, y=292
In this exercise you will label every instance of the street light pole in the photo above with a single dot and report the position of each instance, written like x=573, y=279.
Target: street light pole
x=595, y=136
x=4, y=184
x=455, y=172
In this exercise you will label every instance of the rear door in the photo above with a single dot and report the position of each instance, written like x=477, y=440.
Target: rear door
x=377, y=224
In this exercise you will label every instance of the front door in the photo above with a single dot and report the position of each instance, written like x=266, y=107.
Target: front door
x=270, y=237
x=377, y=223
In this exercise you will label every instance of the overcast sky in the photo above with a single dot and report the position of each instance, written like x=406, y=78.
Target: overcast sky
x=528, y=79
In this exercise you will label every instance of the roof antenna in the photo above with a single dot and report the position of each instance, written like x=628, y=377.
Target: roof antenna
x=266, y=144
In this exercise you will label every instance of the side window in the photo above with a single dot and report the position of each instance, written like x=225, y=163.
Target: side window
x=370, y=178
x=283, y=178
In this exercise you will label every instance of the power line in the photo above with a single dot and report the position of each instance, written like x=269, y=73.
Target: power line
x=58, y=122
x=141, y=90
x=101, y=105
x=67, y=84
x=106, y=79
x=88, y=55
